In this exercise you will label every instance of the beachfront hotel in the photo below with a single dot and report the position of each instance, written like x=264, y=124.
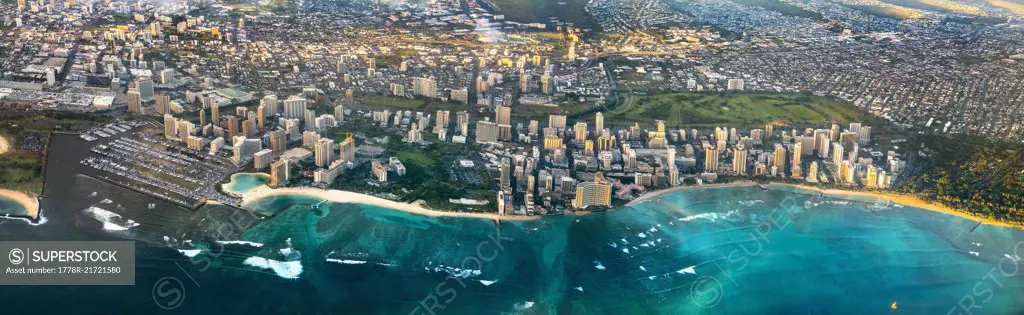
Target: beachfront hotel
x=596, y=193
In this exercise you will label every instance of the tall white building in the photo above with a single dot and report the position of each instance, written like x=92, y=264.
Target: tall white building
x=739, y=160
x=294, y=107
x=426, y=87
x=324, y=152
x=710, y=159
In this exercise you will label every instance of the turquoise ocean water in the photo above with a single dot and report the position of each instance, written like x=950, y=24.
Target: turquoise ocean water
x=9, y=206
x=732, y=250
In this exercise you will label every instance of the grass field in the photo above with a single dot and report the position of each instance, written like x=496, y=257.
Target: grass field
x=416, y=156
x=21, y=171
x=733, y=109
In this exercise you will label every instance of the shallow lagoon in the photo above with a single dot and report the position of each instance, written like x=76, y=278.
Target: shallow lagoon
x=245, y=182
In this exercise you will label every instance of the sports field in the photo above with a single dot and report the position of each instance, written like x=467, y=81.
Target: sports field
x=733, y=109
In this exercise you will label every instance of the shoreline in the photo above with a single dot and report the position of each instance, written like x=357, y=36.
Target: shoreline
x=654, y=194
x=902, y=199
x=30, y=203
x=342, y=196
x=906, y=200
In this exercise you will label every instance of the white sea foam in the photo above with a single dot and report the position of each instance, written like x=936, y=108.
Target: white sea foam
x=976, y=254
x=651, y=277
x=642, y=268
x=653, y=229
x=750, y=202
x=487, y=282
x=613, y=245
x=625, y=250
x=290, y=253
x=976, y=244
x=840, y=202
x=523, y=305
x=455, y=271
x=190, y=252
x=253, y=244
x=283, y=269
x=346, y=261
x=711, y=216
x=599, y=266
x=111, y=221
x=641, y=235
x=42, y=219
x=579, y=289
x=689, y=270
x=107, y=226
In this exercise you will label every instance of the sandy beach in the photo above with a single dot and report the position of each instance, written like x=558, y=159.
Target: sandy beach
x=30, y=203
x=352, y=197
x=907, y=200
x=658, y=193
